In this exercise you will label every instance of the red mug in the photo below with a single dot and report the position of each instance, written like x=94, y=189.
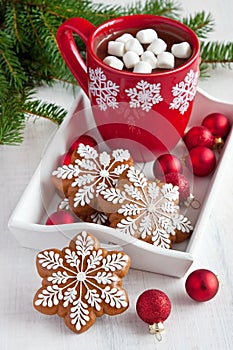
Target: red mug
x=146, y=113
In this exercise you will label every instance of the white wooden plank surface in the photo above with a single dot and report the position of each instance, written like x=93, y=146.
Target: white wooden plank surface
x=191, y=326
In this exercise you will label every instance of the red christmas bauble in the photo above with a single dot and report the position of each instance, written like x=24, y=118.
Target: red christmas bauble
x=153, y=306
x=201, y=161
x=85, y=139
x=202, y=285
x=65, y=159
x=61, y=217
x=167, y=163
x=198, y=136
x=217, y=123
x=181, y=181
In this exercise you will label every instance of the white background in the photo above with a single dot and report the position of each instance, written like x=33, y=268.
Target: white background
x=191, y=325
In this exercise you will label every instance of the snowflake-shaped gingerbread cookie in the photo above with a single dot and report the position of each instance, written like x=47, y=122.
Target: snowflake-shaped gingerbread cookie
x=89, y=174
x=95, y=217
x=147, y=210
x=81, y=282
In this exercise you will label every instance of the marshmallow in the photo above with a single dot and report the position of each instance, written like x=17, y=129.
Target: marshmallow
x=149, y=57
x=116, y=48
x=165, y=60
x=181, y=50
x=146, y=36
x=130, y=58
x=134, y=45
x=114, y=62
x=142, y=67
x=124, y=37
x=157, y=46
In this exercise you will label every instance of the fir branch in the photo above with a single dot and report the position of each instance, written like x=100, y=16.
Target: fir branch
x=10, y=64
x=214, y=53
x=12, y=120
x=201, y=23
x=157, y=7
x=50, y=111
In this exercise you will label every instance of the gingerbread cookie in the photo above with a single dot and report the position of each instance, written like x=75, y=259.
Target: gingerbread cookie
x=91, y=172
x=95, y=217
x=81, y=282
x=64, y=204
x=146, y=210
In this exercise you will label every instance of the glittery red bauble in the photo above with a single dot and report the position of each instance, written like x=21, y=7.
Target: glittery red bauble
x=85, y=139
x=217, y=123
x=153, y=306
x=202, y=285
x=167, y=163
x=201, y=161
x=181, y=181
x=65, y=159
x=61, y=217
x=198, y=136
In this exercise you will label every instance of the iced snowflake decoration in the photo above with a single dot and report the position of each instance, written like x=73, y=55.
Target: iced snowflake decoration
x=184, y=92
x=96, y=217
x=144, y=95
x=93, y=172
x=64, y=204
x=150, y=211
x=81, y=282
x=99, y=218
x=105, y=91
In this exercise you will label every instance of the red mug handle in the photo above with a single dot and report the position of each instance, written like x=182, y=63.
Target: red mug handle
x=69, y=50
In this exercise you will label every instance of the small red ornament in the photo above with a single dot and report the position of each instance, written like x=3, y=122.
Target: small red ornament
x=198, y=136
x=217, y=123
x=201, y=161
x=181, y=181
x=202, y=285
x=61, y=217
x=85, y=139
x=167, y=163
x=153, y=307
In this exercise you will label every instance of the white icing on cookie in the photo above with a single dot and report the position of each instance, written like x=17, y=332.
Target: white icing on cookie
x=99, y=218
x=93, y=172
x=64, y=204
x=82, y=279
x=148, y=209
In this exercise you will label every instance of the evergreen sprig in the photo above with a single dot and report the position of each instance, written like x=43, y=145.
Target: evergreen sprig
x=201, y=23
x=37, y=108
x=217, y=52
x=29, y=54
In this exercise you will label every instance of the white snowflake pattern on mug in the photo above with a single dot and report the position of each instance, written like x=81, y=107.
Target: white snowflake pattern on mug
x=104, y=90
x=184, y=92
x=144, y=95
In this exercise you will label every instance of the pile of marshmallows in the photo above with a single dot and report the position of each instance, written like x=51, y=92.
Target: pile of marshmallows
x=132, y=55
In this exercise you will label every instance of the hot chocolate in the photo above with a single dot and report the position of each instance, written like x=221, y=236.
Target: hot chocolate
x=170, y=38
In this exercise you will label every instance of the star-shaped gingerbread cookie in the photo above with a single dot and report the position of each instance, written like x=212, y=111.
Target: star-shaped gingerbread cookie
x=147, y=210
x=89, y=173
x=81, y=282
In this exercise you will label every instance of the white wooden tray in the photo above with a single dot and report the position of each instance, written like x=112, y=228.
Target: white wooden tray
x=40, y=197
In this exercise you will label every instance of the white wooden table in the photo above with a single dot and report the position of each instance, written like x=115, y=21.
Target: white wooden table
x=191, y=325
